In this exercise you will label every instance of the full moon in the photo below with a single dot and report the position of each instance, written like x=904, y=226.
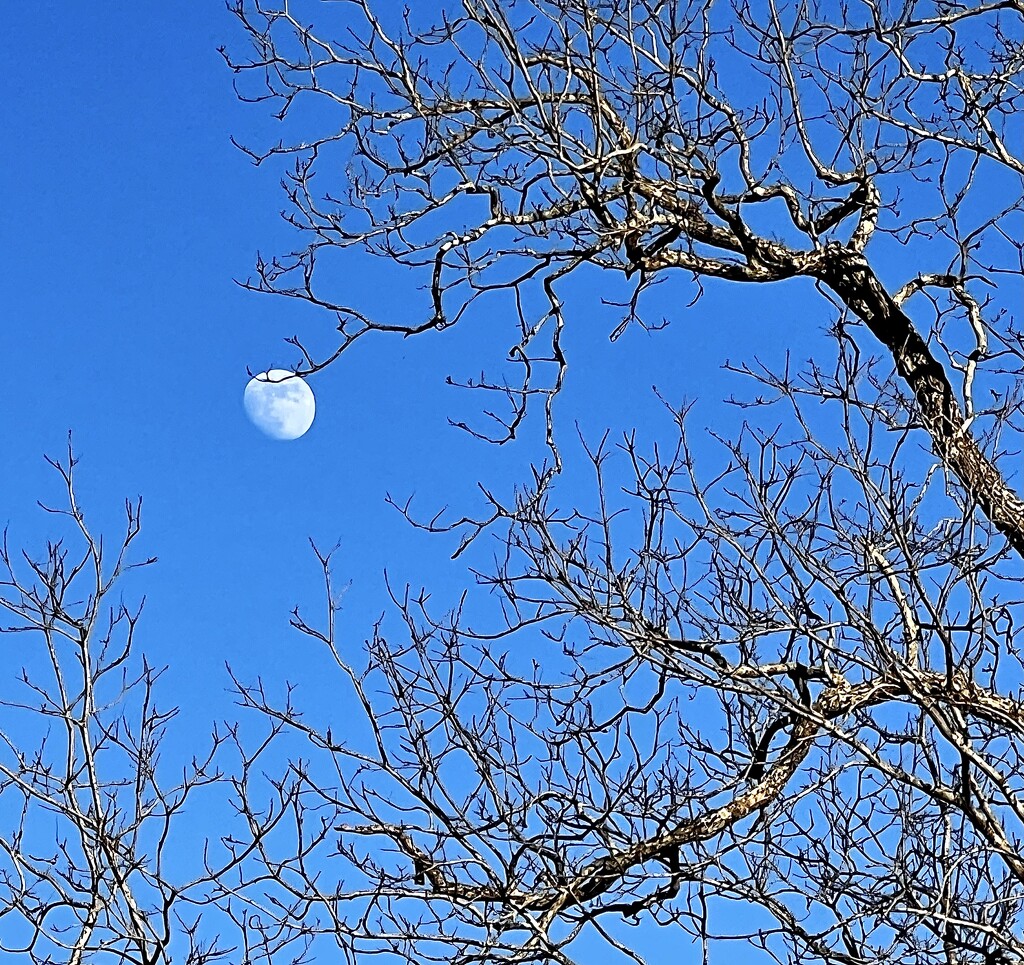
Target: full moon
x=280, y=404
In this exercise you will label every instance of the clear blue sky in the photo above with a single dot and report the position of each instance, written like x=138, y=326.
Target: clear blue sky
x=127, y=214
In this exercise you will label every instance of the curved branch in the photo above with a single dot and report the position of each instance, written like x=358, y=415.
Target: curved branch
x=850, y=276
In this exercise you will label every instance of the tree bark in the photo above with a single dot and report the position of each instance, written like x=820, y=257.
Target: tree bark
x=852, y=279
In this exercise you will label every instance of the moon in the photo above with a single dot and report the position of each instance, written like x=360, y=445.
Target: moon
x=280, y=404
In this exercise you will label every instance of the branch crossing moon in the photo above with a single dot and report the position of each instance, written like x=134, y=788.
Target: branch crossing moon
x=280, y=404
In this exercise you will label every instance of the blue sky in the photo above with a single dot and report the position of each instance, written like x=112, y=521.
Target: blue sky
x=127, y=216
x=130, y=216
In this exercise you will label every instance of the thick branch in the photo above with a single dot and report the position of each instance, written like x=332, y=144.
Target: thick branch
x=839, y=700
x=852, y=279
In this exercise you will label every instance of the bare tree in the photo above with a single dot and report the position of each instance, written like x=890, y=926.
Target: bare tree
x=789, y=682
x=109, y=847
x=506, y=146
x=773, y=700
